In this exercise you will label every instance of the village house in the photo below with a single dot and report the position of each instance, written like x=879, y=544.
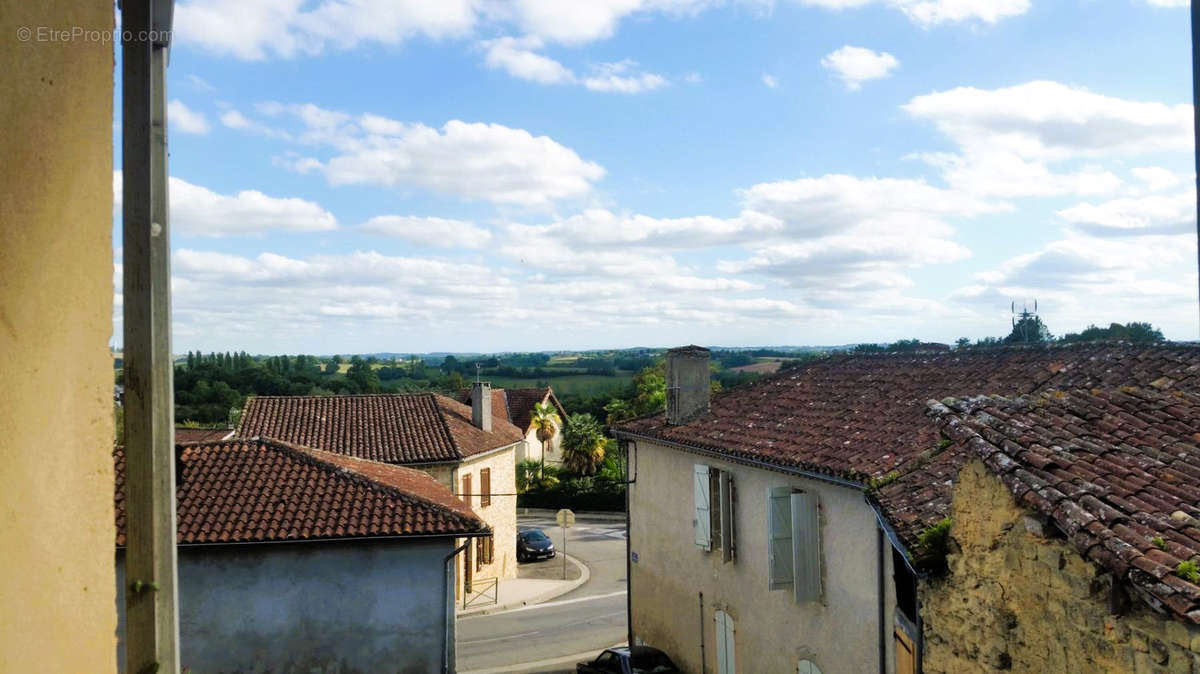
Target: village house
x=467, y=449
x=518, y=407
x=296, y=559
x=803, y=518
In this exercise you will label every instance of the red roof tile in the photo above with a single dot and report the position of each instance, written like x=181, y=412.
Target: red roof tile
x=860, y=416
x=393, y=428
x=201, y=434
x=262, y=490
x=1117, y=471
x=519, y=403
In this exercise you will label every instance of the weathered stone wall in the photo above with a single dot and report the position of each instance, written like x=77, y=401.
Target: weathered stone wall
x=1014, y=600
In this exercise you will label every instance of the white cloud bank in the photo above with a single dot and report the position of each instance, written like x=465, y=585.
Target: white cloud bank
x=182, y=118
x=933, y=12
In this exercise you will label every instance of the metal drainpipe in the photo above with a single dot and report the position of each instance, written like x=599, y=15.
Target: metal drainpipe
x=703, y=663
x=449, y=598
x=882, y=609
x=630, y=462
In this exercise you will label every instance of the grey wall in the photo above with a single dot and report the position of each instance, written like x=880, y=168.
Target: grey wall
x=309, y=607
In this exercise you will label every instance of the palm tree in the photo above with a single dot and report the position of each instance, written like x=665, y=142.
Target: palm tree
x=583, y=444
x=547, y=422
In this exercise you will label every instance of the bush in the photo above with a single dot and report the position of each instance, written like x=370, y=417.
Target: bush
x=576, y=493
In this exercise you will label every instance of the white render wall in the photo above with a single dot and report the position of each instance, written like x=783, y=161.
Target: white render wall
x=772, y=632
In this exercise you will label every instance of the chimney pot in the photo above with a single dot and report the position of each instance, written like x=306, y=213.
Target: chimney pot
x=688, y=388
x=481, y=405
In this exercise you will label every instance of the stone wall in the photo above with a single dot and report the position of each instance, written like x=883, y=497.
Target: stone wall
x=1016, y=600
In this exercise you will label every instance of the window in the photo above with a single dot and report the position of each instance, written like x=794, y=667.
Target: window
x=485, y=551
x=713, y=523
x=485, y=487
x=466, y=488
x=725, y=646
x=794, y=542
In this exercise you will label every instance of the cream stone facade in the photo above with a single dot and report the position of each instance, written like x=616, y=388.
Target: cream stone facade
x=56, y=299
x=500, y=513
x=1016, y=601
x=677, y=587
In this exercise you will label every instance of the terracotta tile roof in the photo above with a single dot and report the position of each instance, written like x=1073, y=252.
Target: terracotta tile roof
x=393, y=428
x=200, y=434
x=522, y=400
x=499, y=402
x=1117, y=470
x=261, y=490
x=861, y=416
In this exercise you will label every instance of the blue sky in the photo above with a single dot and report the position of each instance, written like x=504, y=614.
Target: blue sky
x=353, y=176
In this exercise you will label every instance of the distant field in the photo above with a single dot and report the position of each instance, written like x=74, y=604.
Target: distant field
x=585, y=384
x=764, y=366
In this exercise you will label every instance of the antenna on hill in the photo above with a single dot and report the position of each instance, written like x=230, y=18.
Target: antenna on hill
x=1022, y=319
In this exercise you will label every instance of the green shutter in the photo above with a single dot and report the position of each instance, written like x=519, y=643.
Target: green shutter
x=806, y=546
x=701, y=524
x=780, y=572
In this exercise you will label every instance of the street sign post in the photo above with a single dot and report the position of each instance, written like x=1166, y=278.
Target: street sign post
x=566, y=520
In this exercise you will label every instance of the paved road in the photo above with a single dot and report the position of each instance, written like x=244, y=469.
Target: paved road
x=586, y=619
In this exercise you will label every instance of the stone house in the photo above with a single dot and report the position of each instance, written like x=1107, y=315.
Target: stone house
x=296, y=559
x=468, y=449
x=517, y=406
x=813, y=499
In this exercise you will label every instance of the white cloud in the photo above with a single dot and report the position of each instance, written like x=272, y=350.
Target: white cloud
x=693, y=78
x=290, y=28
x=574, y=23
x=1169, y=3
x=622, y=77
x=200, y=84
x=429, y=231
x=1009, y=138
x=855, y=65
x=199, y=211
x=1156, y=178
x=517, y=57
x=770, y=81
x=933, y=12
x=184, y=119
x=474, y=161
x=1153, y=214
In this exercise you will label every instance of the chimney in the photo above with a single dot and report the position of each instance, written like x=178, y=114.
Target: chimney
x=687, y=384
x=481, y=405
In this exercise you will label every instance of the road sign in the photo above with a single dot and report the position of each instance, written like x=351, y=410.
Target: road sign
x=565, y=518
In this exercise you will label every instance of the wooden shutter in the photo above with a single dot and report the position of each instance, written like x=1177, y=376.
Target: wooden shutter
x=480, y=552
x=466, y=488
x=485, y=487
x=906, y=657
x=491, y=549
x=780, y=572
x=726, y=491
x=806, y=546
x=725, y=645
x=702, y=523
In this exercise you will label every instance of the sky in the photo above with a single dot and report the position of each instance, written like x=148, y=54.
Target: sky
x=353, y=176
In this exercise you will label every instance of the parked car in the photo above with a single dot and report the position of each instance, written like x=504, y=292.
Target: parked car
x=623, y=660
x=533, y=544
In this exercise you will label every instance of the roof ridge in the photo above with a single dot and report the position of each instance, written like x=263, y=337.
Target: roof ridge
x=313, y=456
x=441, y=415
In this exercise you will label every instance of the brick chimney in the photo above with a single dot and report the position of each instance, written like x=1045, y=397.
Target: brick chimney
x=481, y=405
x=687, y=384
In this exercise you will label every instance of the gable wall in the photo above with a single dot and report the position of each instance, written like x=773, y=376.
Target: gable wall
x=1017, y=601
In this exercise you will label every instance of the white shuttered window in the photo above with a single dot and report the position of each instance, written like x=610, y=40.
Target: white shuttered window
x=780, y=573
x=794, y=543
x=702, y=524
x=725, y=645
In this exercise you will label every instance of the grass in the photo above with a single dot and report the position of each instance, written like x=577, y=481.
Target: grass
x=582, y=384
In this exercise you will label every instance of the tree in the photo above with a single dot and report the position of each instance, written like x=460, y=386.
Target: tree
x=1029, y=330
x=331, y=365
x=583, y=444
x=362, y=374
x=547, y=422
x=962, y=343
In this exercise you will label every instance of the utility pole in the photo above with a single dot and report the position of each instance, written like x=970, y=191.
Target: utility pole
x=1196, y=113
